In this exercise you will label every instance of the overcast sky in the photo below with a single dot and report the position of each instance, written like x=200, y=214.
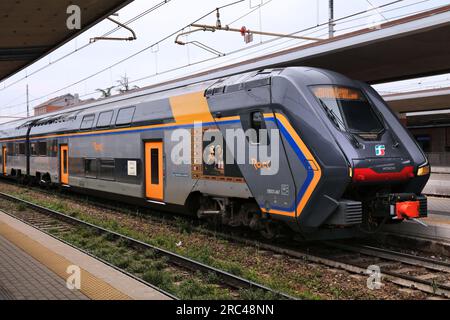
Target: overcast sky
x=282, y=16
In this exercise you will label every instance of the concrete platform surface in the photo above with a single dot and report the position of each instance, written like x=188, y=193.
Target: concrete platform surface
x=438, y=185
x=34, y=265
x=438, y=222
x=24, y=278
x=439, y=206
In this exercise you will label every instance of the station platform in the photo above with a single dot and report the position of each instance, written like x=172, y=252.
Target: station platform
x=438, y=222
x=439, y=183
x=34, y=265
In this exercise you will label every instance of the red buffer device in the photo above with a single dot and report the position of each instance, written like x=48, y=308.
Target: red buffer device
x=407, y=209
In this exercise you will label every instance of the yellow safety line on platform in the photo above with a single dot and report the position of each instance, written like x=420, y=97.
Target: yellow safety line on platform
x=91, y=286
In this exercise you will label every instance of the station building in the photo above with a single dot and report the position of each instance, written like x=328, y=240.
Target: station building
x=55, y=104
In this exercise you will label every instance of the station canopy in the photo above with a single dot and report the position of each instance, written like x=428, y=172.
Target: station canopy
x=32, y=29
x=423, y=100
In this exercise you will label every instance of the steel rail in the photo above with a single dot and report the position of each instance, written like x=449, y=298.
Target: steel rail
x=425, y=285
x=184, y=262
x=396, y=278
x=402, y=280
x=403, y=257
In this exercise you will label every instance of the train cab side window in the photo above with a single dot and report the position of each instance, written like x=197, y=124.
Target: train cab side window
x=90, y=168
x=104, y=119
x=87, y=122
x=125, y=116
x=257, y=123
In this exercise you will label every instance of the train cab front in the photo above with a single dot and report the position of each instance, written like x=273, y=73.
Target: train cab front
x=388, y=189
x=387, y=169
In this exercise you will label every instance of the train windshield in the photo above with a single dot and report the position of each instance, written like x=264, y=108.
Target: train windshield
x=348, y=108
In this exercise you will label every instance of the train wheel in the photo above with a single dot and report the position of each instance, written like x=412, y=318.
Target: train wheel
x=270, y=230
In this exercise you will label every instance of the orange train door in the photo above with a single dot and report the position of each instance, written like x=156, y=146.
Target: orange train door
x=64, y=164
x=4, y=151
x=154, y=177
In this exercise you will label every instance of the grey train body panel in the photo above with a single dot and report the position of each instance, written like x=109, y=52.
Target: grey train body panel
x=270, y=191
x=310, y=186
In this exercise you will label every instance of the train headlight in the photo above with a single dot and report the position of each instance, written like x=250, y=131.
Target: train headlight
x=423, y=170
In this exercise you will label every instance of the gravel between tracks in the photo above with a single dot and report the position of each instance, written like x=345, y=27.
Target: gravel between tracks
x=296, y=277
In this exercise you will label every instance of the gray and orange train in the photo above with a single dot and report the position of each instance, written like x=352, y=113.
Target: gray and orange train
x=345, y=163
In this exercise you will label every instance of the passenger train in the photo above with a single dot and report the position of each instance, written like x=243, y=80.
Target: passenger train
x=344, y=164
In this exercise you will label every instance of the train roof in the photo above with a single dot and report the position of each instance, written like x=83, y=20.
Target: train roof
x=158, y=91
x=152, y=89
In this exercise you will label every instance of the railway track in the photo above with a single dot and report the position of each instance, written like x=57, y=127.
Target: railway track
x=431, y=276
x=53, y=222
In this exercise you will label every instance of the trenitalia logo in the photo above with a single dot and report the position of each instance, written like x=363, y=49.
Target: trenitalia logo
x=380, y=150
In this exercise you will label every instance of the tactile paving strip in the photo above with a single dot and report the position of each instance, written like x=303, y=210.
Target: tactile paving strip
x=91, y=286
x=5, y=294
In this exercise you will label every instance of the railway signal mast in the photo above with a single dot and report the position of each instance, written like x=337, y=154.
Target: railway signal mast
x=244, y=31
x=28, y=103
x=331, y=23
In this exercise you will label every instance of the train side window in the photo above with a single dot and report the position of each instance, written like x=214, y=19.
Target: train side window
x=257, y=123
x=125, y=116
x=22, y=148
x=10, y=148
x=104, y=119
x=90, y=168
x=52, y=148
x=107, y=169
x=33, y=149
x=42, y=148
x=87, y=122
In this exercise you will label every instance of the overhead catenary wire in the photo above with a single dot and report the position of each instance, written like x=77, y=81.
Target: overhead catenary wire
x=174, y=69
x=191, y=64
x=76, y=50
x=218, y=24
x=16, y=98
x=370, y=3
x=136, y=53
x=325, y=27
x=230, y=53
x=250, y=12
x=213, y=58
x=256, y=45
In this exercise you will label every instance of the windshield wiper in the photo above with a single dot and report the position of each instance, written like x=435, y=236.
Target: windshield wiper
x=332, y=115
